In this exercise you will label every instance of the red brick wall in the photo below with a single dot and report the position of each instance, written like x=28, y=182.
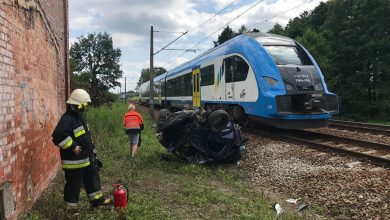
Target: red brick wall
x=33, y=81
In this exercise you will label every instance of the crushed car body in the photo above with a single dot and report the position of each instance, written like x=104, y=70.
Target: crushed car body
x=200, y=137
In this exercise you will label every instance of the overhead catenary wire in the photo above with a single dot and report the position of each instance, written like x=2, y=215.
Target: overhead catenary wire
x=206, y=21
x=171, y=43
x=170, y=32
x=215, y=15
x=267, y=19
x=221, y=27
x=275, y=16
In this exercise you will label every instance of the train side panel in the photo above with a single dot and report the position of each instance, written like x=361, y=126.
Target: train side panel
x=245, y=76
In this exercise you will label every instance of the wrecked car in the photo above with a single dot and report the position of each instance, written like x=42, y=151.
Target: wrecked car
x=200, y=137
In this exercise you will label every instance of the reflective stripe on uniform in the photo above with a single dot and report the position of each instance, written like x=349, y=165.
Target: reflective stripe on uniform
x=131, y=123
x=66, y=143
x=71, y=204
x=79, y=131
x=74, y=164
x=94, y=194
x=97, y=196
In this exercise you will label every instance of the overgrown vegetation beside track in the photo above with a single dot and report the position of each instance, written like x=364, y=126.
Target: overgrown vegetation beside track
x=158, y=189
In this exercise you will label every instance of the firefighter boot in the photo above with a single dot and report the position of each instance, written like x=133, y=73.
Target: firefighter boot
x=71, y=213
x=102, y=202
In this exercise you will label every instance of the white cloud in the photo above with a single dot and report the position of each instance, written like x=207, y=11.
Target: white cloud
x=125, y=40
x=129, y=21
x=220, y=4
x=72, y=40
x=82, y=20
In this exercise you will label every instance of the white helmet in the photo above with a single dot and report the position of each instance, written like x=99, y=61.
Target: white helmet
x=79, y=97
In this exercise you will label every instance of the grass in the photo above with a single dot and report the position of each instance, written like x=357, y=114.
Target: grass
x=159, y=189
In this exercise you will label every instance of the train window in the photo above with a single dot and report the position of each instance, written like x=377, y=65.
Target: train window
x=207, y=75
x=170, y=87
x=229, y=69
x=188, y=84
x=284, y=55
x=241, y=69
x=177, y=87
x=163, y=88
x=236, y=69
x=182, y=86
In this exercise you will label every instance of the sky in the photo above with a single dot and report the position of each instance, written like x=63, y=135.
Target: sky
x=129, y=22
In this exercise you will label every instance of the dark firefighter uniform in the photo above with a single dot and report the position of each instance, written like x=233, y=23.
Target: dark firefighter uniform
x=72, y=131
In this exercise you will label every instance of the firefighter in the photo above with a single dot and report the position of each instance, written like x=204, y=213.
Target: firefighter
x=78, y=153
x=134, y=125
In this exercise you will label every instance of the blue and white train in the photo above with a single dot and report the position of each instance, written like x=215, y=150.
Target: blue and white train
x=265, y=78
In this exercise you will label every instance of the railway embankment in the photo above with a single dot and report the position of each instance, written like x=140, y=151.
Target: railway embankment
x=333, y=185
x=336, y=186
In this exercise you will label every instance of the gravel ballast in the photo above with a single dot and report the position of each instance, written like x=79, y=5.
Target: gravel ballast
x=334, y=186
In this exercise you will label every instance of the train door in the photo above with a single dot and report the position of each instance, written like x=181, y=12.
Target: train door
x=196, y=87
x=236, y=72
x=229, y=74
x=158, y=93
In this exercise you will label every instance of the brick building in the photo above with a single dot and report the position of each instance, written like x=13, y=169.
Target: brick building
x=34, y=82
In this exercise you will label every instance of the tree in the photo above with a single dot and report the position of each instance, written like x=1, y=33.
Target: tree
x=145, y=74
x=95, y=65
x=320, y=48
x=242, y=30
x=296, y=26
x=229, y=33
x=277, y=29
x=226, y=35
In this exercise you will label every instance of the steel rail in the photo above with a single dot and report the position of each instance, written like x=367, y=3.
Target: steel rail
x=318, y=145
x=359, y=126
x=363, y=143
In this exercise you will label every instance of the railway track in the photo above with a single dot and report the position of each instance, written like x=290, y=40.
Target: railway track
x=361, y=127
x=375, y=153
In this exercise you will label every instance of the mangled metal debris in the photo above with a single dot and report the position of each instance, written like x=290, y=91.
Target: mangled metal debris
x=302, y=207
x=293, y=201
x=200, y=137
x=278, y=208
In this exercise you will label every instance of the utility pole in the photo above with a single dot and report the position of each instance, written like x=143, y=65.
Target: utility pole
x=125, y=90
x=151, y=69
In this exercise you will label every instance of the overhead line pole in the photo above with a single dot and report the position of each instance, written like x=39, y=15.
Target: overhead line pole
x=151, y=68
x=151, y=72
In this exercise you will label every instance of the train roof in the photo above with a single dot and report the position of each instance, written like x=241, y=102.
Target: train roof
x=234, y=45
x=271, y=39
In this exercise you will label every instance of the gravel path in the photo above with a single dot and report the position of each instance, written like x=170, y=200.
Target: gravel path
x=333, y=186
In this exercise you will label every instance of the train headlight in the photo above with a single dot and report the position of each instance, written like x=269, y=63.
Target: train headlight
x=318, y=87
x=270, y=81
x=289, y=87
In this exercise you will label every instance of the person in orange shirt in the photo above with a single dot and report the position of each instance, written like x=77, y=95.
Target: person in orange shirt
x=134, y=125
